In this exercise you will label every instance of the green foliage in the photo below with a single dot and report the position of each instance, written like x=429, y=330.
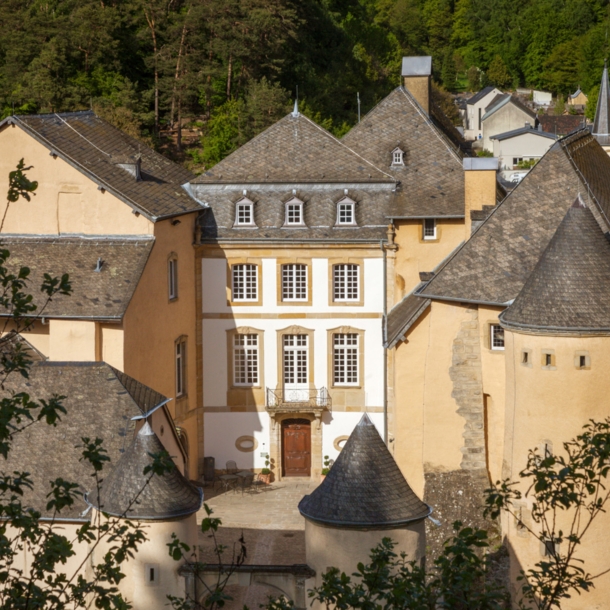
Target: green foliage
x=498, y=73
x=591, y=106
x=526, y=163
x=484, y=153
x=474, y=78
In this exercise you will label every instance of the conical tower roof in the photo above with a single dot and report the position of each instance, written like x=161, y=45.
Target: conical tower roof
x=601, y=125
x=365, y=487
x=165, y=497
x=569, y=289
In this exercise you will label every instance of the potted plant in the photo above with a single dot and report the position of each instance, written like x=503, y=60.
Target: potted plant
x=327, y=464
x=266, y=471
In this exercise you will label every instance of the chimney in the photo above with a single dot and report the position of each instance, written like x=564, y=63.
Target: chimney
x=479, y=186
x=416, y=76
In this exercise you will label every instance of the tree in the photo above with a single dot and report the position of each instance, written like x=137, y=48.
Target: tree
x=43, y=582
x=498, y=73
x=448, y=71
x=474, y=78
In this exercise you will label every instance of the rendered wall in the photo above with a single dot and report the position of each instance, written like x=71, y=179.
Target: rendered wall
x=528, y=146
x=507, y=118
x=416, y=254
x=344, y=548
x=72, y=340
x=551, y=404
x=153, y=323
x=66, y=201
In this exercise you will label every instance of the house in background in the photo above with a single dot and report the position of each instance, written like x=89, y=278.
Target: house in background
x=542, y=98
x=113, y=214
x=520, y=145
x=505, y=113
x=475, y=109
x=561, y=125
x=578, y=99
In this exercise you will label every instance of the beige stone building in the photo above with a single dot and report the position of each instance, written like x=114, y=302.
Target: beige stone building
x=114, y=215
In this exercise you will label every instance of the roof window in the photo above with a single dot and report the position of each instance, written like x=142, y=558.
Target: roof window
x=398, y=156
x=130, y=163
x=346, y=212
x=294, y=213
x=244, y=213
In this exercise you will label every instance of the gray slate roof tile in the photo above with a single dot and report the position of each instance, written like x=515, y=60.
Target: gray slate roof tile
x=403, y=315
x=569, y=287
x=364, y=487
x=94, y=147
x=99, y=403
x=103, y=295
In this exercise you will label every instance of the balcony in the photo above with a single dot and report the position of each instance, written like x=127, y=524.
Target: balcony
x=306, y=400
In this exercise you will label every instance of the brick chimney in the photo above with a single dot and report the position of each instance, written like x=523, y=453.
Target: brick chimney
x=479, y=189
x=416, y=76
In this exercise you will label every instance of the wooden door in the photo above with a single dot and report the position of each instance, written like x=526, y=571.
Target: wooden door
x=296, y=448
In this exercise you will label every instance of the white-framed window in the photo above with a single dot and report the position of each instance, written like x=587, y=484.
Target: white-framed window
x=346, y=212
x=398, y=157
x=172, y=278
x=345, y=359
x=244, y=213
x=429, y=228
x=294, y=282
x=296, y=353
x=294, y=212
x=245, y=360
x=346, y=282
x=180, y=367
x=245, y=282
x=496, y=337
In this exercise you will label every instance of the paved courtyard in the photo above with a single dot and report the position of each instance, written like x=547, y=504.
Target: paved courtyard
x=269, y=520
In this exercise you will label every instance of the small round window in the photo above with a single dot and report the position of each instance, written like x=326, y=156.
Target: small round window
x=246, y=444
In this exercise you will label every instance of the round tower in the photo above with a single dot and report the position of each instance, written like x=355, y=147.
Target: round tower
x=363, y=499
x=557, y=350
x=165, y=505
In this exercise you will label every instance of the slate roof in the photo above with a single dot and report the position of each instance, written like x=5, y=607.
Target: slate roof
x=365, y=487
x=432, y=179
x=94, y=147
x=403, y=315
x=99, y=403
x=568, y=289
x=501, y=101
x=104, y=295
x=561, y=125
x=521, y=131
x=480, y=95
x=293, y=150
x=601, y=124
x=493, y=266
x=169, y=496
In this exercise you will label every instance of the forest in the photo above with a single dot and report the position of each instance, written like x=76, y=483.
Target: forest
x=198, y=78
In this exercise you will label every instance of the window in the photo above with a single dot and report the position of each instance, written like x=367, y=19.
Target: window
x=550, y=548
x=295, y=359
x=294, y=282
x=245, y=282
x=525, y=358
x=346, y=212
x=172, y=278
x=346, y=282
x=345, y=359
x=582, y=361
x=151, y=574
x=548, y=359
x=496, y=341
x=244, y=213
x=517, y=160
x=398, y=157
x=430, y=228
x=294, y=212
x=245, y=360
x=180, y=367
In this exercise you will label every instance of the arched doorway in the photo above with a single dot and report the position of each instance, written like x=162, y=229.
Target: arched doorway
x=296, y=448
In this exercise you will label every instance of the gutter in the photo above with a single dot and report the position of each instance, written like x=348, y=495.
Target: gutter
x=456, y=300
x=444, y=216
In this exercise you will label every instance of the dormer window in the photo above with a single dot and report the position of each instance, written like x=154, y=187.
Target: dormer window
x=130, y=163
x=244, y=213
x=398, y=156
x=294, y=213
x=346, y=212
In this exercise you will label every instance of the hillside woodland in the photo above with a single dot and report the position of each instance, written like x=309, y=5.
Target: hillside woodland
x=197, y=78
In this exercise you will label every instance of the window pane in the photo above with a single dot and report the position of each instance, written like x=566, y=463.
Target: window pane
x=245, y=360
x=293, y=214
x=430, y=228
x=245, y=285
x=295, y=359
x=345, y=359
x=172, y=278
x=294, y=282
x=180, y=368
x=497, y=337
x=244, y=214
x=345, y=283
x=346, y=213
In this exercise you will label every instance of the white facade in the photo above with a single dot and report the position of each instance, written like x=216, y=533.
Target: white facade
x=238, y=425
x=473, y=130
x=524, y=146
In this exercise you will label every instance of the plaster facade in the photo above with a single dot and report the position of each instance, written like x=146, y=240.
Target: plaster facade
x=506, y=118
x=474, y=113
x=526, y=146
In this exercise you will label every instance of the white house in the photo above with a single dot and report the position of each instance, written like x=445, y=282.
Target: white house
x=475, y=109
x=522, y=144
x=506, y=113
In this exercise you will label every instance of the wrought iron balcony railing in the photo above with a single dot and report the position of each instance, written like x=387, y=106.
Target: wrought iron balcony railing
x=288, y=399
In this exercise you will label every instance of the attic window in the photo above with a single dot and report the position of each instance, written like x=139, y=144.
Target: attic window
x=497, y=337
x=429, y=228
x=398, y=157
x=294, y=212
x=346, y=212
x=244, y=213
x=130, y=163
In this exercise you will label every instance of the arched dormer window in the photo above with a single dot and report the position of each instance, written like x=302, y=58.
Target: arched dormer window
x=398, y=156
x=294, y=213
x=244, y=213
x=346, y=212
